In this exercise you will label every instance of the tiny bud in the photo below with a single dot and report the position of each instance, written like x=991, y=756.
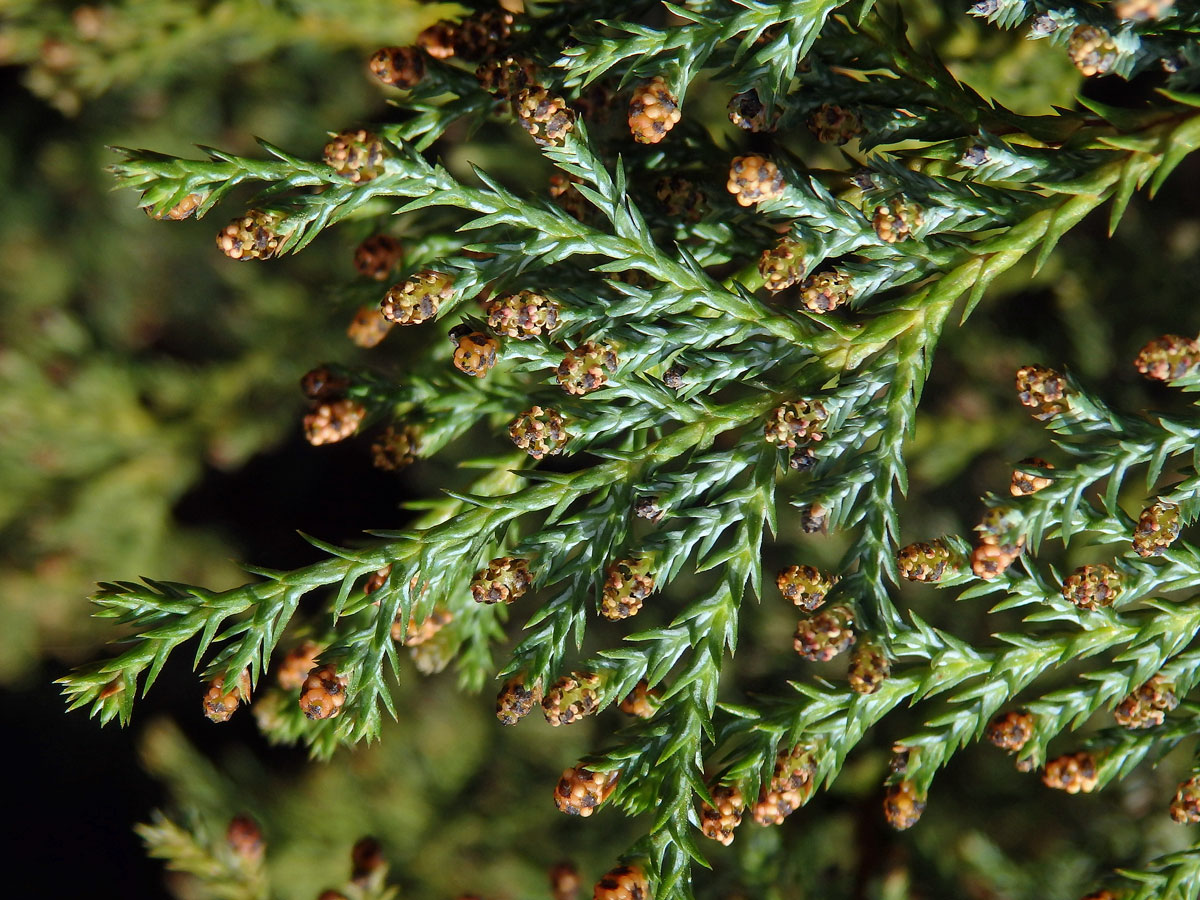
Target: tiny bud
x=1157, y=529
x=220, y=704
x=1043, y=390
x=368, y=328
x=1011, y=730
x=522, y=315
x=796, y=422
x=332, y=422
x=623, y=883
x=680, y=198
x=1026, y=483
x=826, y=634
x=507, y=77
x=989, y=561
x=396, y=448
x=401, y=67
x=1072, y=772
x=1092, y=587
x=516, y=700
x=539, y=432
x=925, y=561
x=254, y=235
x=653, y=111
x=377, y=256
x=323, y=693
x=869, y=668
x=902, y=807
x=1092, y=50
x=1141, y=10
x=376, y=580
x=564, y=881
x=832, y=124
x=805, y=586
x=581, y=791
x=813, y=518
x=545, y=116
x=627, y=583
x=673, y=377
x=585, y=368
x=181, y=210
x=1000, y=542
x=296, y=665
x=641, y=702
x=1168, y=358
x=503, y=581
x=245, y=839
x=1185, y=807
x=897, y=220
x=748, y=112
x=366, y=858
x=416, y=300
x=646, y=507
x=718, y=821
x=753, y=179
x=571, y=698
x=356, y=155
x=322, y=383
x=782, y=265
x=824, y=292
x=1148, y=705
x=475, y=353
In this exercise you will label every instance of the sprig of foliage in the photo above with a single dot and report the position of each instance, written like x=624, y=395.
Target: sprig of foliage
x=686, y=369
x=233, y=868
x=222, y=872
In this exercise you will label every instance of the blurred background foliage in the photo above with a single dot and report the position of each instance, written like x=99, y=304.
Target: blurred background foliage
x=151, y=427
x=136, y=362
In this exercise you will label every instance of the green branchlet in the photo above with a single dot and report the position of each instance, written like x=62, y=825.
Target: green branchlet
x=700, y=364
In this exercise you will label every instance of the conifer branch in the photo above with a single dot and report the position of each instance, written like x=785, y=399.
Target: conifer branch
x=637, y=339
